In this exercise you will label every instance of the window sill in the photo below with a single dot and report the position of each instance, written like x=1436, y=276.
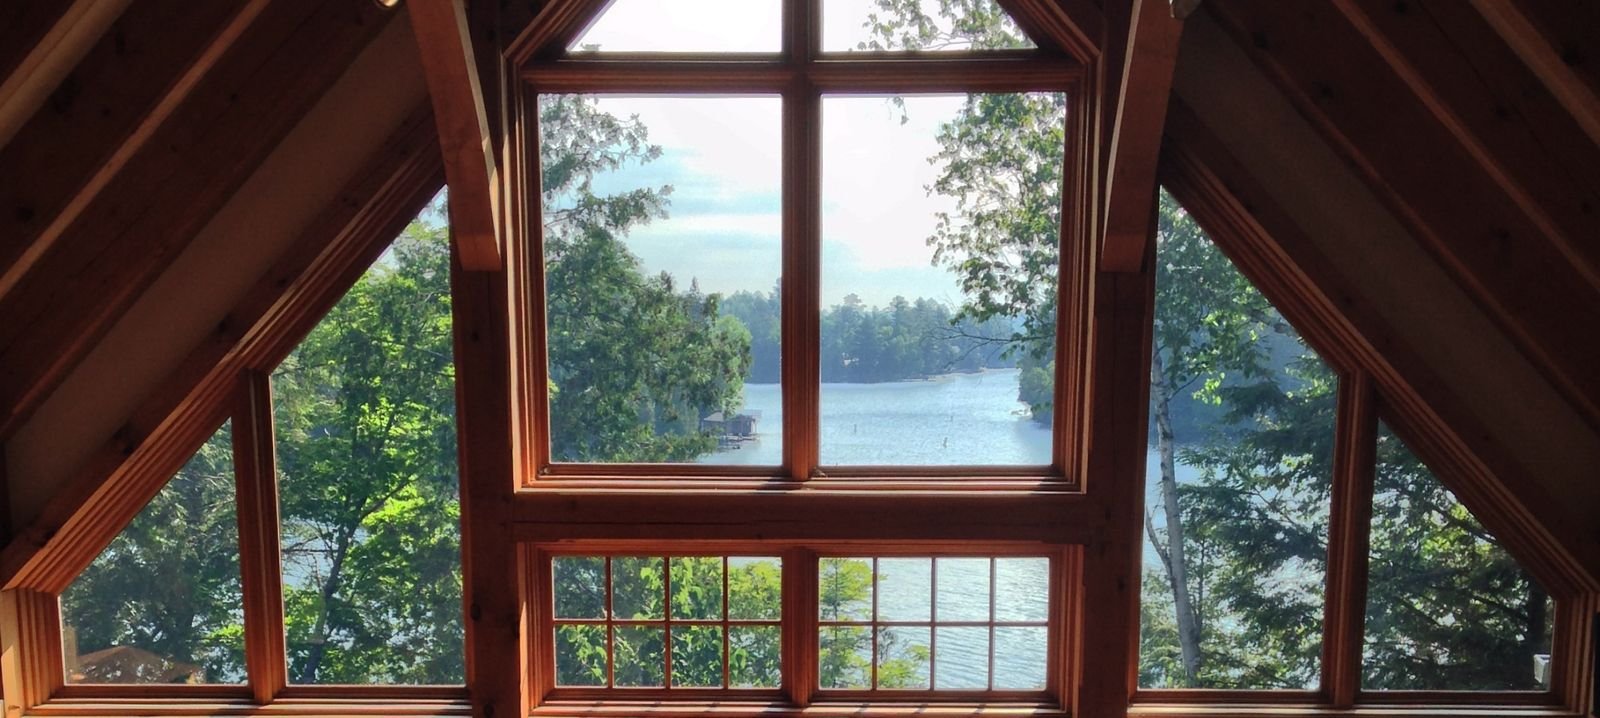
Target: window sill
x=1302, y=710
x=760, y=709
x=328, y=708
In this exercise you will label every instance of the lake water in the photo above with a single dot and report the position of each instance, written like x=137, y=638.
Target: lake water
x=949, y=420
x=960, y=419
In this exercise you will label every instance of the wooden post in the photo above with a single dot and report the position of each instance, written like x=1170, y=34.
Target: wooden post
x=256, y=477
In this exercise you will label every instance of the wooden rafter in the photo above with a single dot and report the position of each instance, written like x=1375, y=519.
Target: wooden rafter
x=1273, y=251
x=65, y=155
x=451, y=70
x=1494, y=113
x=1560, y=42
x=1489, y=245
x=1075, y=27
x=1152, y=55
x=271, y=317
x=169, y=190
x=40, y=42
x=555, y=27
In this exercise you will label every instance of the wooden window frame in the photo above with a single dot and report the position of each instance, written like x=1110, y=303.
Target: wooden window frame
x=800, y=690
x=801, y=75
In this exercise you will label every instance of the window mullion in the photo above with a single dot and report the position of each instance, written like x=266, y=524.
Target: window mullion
x=799, y=629
x=801, y=276
x=1349, y=525
x=256, y=476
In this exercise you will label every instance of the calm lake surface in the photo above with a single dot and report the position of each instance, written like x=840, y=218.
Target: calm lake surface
x=948, y=420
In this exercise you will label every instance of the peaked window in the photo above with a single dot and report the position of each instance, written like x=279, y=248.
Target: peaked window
x=1447, y=607
x=162, y=603
x=366, y=449
x=1239, y=476
x=685, y=26
x=919, y=26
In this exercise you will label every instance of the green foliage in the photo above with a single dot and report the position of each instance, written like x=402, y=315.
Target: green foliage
x=168, y=584
x=367, y=457
x=1447, y=607
x=634, y=362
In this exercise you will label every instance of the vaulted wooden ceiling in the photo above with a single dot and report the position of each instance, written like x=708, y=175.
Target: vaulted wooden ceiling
x=1435, y=163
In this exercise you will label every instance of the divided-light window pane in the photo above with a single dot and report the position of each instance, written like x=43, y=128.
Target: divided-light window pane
x=1447, y=607
x=162, y=603
x=918, y=25
x=366, y=442
x=667, y=622
x=663, y=253
x=941, y=624
x=1239, y=468
x=685, y=26
x=941, y=224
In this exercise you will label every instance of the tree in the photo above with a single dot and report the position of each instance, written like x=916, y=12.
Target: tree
x=168, y=584
x=634, y=363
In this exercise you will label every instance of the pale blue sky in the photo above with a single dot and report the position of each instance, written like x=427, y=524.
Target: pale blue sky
x=722, y=157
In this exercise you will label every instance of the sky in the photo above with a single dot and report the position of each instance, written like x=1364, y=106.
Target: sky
x=722, y=157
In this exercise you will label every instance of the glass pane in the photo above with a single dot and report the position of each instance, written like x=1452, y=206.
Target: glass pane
x=697, y=656
x=922, y=25
x=580, y=586
x=903, y=653
x=1447, y=607
x=962, y=659
x=1019, y=658
x=662, y=229
x=637, y=588
x=845, y=589
x=940, y=247
x=580, y=655
x=366, y=441
x=685, y=26
x=161, y=604
x=845, y=657
x=905, y=589
x=696, y=588
x=1239, y=473
x=755, y=589
x=963, y=593
x=755, y=656
x=641, y=656
x=1022, y=589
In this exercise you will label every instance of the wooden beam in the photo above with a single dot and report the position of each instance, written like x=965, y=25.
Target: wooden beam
x=255, y=465
x=121, y=91
x=39, y=44
x=1487, y=243
x=170, y=189
x=1486, y=119
x=266, y=324
x=1560, y=42
x=1152, y=55
x=451, y=69
x=1271, y=249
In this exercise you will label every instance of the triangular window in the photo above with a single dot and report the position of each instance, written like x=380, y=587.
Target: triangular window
x=919, y=26
x=685, y=26
x=1448, y=608
x=162, y=603
x=366, y=449
x=1240, y=468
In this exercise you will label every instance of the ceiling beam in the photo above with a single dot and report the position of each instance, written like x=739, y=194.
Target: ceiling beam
x=40, y=43
x=1147, y=71
x=451, y=70
x=1457, y=211
x=1560, y=42
x=170, y=189
x=115, y=99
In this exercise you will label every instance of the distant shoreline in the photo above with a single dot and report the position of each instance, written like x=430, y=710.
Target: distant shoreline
x=931, y=377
